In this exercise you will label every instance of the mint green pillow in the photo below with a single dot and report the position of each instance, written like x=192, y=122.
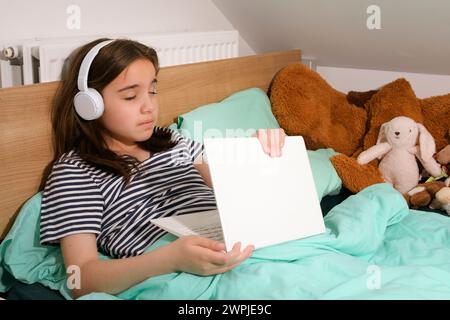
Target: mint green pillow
x=326, y=179
x=173, y=126
x=238, y=115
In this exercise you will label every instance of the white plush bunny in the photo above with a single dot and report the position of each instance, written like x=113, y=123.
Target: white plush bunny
x=397, y=145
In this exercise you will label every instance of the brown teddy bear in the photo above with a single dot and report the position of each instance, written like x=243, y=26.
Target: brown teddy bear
x=425, y=193
x=442, y=200
x=305, y=104
x=443, y=157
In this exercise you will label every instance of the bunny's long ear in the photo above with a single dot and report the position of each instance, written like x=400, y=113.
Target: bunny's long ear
x=426, y=142
x=382, y=133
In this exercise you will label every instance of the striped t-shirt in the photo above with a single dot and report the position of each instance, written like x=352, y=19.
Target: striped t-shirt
x=81, y=198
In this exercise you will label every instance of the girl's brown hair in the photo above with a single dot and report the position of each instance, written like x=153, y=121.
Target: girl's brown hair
x=70, y=132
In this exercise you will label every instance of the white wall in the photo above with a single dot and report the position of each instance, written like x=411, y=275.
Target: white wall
x=413, y=36
x=346, y=79
x=25, y=19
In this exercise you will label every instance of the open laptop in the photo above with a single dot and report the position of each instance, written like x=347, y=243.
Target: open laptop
x=261, y=200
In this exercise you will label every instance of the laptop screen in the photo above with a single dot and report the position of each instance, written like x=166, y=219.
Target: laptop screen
x=263, y=200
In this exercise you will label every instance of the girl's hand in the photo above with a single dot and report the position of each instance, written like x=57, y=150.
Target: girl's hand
x=202, y=256
x=272, y=140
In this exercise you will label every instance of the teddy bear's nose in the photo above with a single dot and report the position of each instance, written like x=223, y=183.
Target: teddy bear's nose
x=397, y=133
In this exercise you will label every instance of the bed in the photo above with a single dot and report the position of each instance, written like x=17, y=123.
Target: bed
x=374, y=246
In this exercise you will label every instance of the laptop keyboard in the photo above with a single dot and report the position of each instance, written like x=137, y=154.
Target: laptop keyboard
x=212, y=231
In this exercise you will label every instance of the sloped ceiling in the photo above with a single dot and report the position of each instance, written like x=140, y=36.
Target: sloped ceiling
x=414, y=34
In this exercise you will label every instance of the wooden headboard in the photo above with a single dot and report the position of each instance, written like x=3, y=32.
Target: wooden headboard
x=25, y=129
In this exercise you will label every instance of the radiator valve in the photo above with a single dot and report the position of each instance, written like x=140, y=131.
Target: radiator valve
x=11, y=52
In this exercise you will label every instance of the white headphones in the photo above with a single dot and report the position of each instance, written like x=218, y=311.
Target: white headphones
x=89, y=102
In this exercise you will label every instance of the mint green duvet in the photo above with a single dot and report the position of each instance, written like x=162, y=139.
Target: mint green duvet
x=374, y=248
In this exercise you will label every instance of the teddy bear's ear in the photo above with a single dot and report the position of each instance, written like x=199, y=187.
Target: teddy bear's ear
x=382, y=133
x=359, y=99
x=443, y=156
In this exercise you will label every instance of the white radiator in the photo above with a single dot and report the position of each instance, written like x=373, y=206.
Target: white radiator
x=11, y=63
x=43, y=59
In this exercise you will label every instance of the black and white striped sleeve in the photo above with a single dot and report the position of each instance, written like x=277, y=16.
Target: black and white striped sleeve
x=193, y=147
x=71, y=203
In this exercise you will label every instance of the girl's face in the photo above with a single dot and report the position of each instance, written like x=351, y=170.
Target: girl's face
x=131, y=107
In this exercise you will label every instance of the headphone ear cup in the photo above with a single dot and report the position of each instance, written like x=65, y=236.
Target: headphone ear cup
x=89, y=104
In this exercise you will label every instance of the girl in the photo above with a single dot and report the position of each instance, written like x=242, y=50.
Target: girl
x=115, y=171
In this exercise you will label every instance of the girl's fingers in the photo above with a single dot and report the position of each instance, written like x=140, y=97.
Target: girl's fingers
x=269, y=135
x=262, y=136
x=208, y=243
x=272, y=140
x=243, y=256
x=275, y=143
x=248, y=251
x=277, y=137
x=225, y=258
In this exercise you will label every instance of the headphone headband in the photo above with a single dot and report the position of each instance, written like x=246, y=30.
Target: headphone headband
x=86, y=64
x=88, y=102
